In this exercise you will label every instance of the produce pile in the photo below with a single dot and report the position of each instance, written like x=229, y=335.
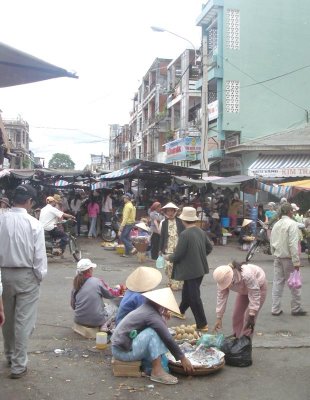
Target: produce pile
x=185, y=333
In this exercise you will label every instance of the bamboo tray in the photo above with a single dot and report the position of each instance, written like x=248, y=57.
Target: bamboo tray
x=198, y=371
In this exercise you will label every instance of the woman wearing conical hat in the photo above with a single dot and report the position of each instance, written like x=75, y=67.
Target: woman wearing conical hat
x=142, y=279
x=171, y=228
x=143, y=335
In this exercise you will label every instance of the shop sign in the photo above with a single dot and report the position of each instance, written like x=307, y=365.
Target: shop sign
x=183, y=149
x=280, y=172
x=230, y=164
x=213, y=111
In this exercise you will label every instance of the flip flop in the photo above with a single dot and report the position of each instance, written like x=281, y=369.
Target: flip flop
x=166, y=379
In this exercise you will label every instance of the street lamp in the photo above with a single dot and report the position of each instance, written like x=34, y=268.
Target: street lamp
x=158, y=29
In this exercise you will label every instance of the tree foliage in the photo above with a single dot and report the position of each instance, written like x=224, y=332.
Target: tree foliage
x=61, y=161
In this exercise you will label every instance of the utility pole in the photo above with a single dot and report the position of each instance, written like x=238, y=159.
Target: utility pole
x=204, y=164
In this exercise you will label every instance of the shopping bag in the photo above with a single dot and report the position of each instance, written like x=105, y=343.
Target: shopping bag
x=238, y=351
x=294, y=281
x=160, y=262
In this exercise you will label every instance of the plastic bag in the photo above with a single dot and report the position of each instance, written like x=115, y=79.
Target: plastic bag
x=294, y=281
x=160, y=262
x=238, y=351
x=212, y=340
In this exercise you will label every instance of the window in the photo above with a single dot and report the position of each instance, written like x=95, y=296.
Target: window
x=233, y=29
x=232, y=96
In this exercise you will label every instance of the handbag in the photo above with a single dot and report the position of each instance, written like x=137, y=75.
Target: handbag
x=160, y=262
x=294, y=281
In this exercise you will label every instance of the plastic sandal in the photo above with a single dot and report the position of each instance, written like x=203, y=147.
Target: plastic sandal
x=166, y=379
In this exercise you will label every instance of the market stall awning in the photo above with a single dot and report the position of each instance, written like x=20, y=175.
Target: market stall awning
x=196, y=182
x=276, y=190
x=119, y=174
x=281, y=166
x=301, y=185
x=17, y=68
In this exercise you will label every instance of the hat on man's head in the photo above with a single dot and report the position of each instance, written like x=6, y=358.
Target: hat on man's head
x=163, y=297
x=170, y=205
x=143, y=279
x=84, y=264
x=223, y=276
x=57, y=198
x=128, y=195
x=24, y=192
x=295, y=207
x=50, y=199
x=215, y=216
x=189, y=214
x=5, y=200
x=246, y=222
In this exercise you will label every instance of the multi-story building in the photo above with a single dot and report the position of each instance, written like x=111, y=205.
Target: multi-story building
x=18, y=137
x=258, y=77
x=149, y=122
x=120, y=143
x=183, y=105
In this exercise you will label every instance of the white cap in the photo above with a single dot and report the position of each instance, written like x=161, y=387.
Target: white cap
x=84, y=265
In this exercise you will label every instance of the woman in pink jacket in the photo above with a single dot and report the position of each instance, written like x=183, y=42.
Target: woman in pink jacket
x=93, y=211
x=249, y=281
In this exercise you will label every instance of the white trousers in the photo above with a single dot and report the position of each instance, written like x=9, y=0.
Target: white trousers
x=282, y=268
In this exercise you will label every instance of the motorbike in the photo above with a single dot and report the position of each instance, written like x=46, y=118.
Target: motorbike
x=261, y=243
x=52, y=245
x=110, y=229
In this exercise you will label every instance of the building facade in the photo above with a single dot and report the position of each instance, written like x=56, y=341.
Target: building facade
x=257, y=75
x=17, y=131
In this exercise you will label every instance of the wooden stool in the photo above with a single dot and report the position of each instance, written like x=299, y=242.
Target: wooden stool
x=88, y=333
x=126, y=368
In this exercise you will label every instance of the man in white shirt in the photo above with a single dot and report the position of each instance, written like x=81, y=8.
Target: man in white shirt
x=23, y=266
x=50, y=217
x=284, y=247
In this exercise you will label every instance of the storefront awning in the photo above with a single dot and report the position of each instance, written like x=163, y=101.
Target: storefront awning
x=281, y=166
x=17, y=68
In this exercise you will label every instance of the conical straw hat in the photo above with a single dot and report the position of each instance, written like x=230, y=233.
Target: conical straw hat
x=143, y=279
x=246, y=222
x=163, y=297
x=170, y=205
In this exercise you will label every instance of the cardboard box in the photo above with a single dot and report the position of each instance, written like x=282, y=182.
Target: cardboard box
x=126, y=368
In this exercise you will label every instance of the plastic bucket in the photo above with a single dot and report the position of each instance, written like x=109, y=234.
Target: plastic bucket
x=225, y=222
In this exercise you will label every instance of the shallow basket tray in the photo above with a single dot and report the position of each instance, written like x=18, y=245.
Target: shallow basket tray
x=178, y=369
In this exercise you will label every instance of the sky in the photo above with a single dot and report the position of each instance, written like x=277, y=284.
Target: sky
x=110, y=46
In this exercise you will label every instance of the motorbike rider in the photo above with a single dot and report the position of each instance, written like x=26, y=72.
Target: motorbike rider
x=50, y=216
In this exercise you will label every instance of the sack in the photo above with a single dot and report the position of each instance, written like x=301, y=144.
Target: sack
x=238, y=351
x=294, y=281
x=160, y=262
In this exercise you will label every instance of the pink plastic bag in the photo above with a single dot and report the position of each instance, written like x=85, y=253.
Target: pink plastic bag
x=294, y=281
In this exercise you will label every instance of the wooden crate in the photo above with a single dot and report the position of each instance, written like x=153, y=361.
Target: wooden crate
x=88, y=333
x=126, y=368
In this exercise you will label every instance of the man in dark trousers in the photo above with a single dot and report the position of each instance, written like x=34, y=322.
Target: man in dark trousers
x=190, y=265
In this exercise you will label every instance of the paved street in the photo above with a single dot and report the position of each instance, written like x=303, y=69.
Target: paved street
x=280, y=369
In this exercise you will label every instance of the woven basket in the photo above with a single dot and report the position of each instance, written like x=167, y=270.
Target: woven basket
x=140, y=246
x=178, y=369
